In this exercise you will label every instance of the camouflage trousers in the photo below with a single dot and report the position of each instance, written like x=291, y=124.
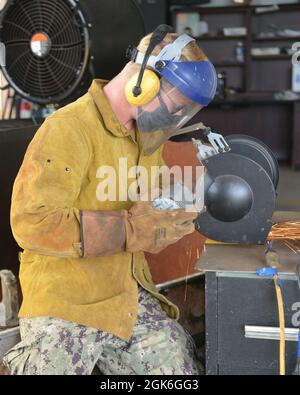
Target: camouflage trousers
x=50, y=346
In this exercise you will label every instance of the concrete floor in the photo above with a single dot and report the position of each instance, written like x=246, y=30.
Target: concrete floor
x=288, y=190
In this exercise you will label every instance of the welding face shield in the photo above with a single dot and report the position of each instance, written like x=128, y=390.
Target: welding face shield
x=185, y=88
x=176, y=91
x=163, y=117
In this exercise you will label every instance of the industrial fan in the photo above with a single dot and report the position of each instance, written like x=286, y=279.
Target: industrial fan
x=54, y=48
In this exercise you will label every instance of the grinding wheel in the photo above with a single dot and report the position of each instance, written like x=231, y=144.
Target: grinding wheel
x=239, y=198
x=255, y=149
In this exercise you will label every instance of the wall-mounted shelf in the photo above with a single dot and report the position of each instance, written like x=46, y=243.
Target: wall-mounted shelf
x=282, y=8
x=235, y=9
x=272, y=57
x=220, y=37
x=252, y=99
x=210, y=10
x=229, y=63
x=241, y=16
x=254, y=111
x=267, y=39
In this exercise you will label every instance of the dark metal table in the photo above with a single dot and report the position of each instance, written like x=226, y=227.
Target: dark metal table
x=241, y=310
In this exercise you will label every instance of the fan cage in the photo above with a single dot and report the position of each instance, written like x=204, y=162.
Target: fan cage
x=54, y=77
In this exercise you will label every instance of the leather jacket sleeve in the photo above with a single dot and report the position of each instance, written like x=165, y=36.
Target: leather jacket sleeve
x=43, y=217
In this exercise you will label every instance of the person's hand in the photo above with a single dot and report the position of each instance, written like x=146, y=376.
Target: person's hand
x=152, y=230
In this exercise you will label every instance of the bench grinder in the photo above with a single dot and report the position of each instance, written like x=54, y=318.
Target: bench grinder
x=240, y=185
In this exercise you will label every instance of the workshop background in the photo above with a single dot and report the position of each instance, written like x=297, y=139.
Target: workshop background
x=54, y=48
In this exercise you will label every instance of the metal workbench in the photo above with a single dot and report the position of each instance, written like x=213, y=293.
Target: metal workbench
x=241, y=310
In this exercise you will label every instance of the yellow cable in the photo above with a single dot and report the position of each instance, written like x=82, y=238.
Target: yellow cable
x=282, y=327
x=272, y=260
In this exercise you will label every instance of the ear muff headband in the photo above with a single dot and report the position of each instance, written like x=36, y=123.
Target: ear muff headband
x=171, y=52
x=145, y=85
x=157, y=37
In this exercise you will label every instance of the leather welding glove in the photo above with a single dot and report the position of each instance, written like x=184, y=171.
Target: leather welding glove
x=152, y=230
x=142, y=228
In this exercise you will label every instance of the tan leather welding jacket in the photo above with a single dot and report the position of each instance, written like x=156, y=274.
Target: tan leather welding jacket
x=60, y=176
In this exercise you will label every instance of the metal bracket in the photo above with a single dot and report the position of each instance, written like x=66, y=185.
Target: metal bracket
x=270, y=333
x=204, y=151
x=217, y=141
x=218, y=145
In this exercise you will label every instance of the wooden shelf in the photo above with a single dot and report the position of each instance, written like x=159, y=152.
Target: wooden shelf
x=272, y=57
x=229, y=64
x=254, y=112
x=258, y=39
x=250, y=40
x=282, y=8
x=220, y=37
x=211, y=10
x=254, y=98
x=231, y=9
x=254, y=38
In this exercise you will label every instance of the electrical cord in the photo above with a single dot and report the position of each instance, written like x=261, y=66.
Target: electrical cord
x=272, y=260
x=273, y=264
x=281, y=325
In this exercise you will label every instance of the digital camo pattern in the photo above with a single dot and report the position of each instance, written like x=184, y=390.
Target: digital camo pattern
x=50, y=346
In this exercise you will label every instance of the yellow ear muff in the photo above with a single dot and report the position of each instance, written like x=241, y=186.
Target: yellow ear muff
x=150, y=87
